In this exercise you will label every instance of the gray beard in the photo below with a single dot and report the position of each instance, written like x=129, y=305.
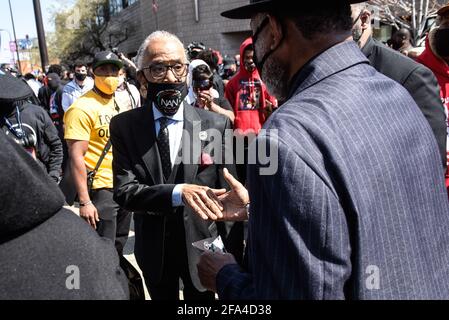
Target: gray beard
x=276, y=79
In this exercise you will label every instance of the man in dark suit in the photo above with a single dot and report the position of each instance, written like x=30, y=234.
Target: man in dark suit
x=358, y=207
x=419, y=81
x=154, y=180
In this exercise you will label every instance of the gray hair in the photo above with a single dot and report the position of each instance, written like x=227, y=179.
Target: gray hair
x=157, y=35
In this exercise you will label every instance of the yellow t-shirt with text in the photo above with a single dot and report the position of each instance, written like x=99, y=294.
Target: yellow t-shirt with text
x=88, y=119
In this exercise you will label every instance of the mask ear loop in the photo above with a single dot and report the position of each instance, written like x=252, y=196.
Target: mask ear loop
x=261, y=63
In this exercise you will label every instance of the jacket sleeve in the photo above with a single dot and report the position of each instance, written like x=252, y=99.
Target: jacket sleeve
x=55, y=145
x=66, y=100
x=129, y=192
x=424, y=88
x=298, y=240
x=41, y=97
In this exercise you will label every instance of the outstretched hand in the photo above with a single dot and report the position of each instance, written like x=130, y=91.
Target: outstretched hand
x=203, y=201
x=235, y=201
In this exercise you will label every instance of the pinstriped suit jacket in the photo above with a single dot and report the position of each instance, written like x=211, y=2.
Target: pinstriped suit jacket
x=357, y=208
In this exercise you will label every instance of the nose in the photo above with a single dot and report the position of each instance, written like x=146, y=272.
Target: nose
x=170, y=76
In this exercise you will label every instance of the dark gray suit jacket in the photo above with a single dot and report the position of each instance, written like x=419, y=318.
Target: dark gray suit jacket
x=358, y=207
x=419, y=81
x=139, y=185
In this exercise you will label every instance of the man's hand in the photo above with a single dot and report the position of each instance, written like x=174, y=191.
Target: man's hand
x=268, y=108
x=90, y=214
x=206, y=99
x=203, y=201
x=235, y=201
x=209, y=266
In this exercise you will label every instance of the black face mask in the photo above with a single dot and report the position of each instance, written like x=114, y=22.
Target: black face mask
x=261, y=62
x=53, y=84
x=80, y=76
x=167, y=97
x=442, y=42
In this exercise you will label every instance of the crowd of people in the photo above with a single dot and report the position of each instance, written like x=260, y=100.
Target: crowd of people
x=360, y=132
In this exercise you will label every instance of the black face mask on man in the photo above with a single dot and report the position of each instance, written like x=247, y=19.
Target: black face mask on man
x=261, y=62
x=167, y=97
x=80, y=76
x=442, y=42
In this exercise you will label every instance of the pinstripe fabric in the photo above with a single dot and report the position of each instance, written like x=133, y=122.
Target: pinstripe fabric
x=359, y=188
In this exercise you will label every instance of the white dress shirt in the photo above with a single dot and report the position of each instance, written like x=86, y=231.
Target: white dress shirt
x=175, y=129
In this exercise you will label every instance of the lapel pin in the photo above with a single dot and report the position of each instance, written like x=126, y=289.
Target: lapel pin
x=203, y=135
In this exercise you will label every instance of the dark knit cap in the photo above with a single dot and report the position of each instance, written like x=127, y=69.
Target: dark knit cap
x=13, y=89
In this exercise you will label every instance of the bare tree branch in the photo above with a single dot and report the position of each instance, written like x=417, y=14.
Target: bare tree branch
x=93, y=31
x=410, y=14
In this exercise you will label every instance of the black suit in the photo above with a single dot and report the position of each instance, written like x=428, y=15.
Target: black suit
x=419, y=82
x=140, y=187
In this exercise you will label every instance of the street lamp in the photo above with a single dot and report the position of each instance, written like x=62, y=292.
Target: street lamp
x=15, y=37
x=40, y=33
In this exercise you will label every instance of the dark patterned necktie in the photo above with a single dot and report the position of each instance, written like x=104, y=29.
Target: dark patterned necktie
x=163, y=143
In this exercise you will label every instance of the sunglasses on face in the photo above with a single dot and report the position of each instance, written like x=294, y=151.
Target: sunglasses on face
x=202, y=85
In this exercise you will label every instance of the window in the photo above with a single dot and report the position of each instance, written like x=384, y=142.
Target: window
x=115, y=6
x=100, y=18
x=127, y=3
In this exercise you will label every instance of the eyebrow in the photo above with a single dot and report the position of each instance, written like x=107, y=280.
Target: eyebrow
x=157, y=61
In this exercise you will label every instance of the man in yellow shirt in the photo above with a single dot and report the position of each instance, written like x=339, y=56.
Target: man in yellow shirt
x=87, y=134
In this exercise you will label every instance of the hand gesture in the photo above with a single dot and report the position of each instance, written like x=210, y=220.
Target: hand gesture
x=235, y=201
x=203, y=201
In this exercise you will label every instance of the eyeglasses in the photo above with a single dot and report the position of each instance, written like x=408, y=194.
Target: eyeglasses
x=159, y=71
x=260, y=29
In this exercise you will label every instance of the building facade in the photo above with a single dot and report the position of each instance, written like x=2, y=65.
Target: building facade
x=190, y=20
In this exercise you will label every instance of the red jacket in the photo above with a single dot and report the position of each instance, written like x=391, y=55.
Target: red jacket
x=441, y=70
x=247, y=95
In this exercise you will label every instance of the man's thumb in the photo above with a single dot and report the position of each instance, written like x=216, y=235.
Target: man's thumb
x=233, y=182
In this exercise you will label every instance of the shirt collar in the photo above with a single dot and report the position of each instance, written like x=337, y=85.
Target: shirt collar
x=178, y=117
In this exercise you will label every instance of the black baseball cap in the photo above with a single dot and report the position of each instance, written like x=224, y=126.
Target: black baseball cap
x=106, y=57
x=256, y=6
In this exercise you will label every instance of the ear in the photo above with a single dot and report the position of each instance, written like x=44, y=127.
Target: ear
x=276, y=31
x=141, y=78
x=365, y=19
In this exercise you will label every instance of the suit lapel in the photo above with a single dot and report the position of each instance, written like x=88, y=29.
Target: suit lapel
x=191, y=144
x=146, y=135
